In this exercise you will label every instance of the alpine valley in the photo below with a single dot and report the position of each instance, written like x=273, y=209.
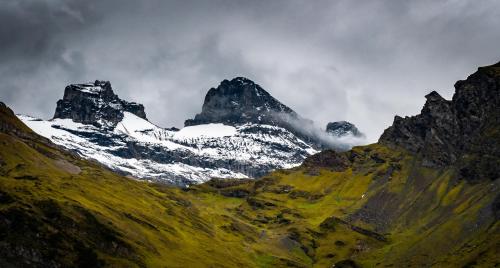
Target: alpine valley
x=425, y=195
x=242, y=132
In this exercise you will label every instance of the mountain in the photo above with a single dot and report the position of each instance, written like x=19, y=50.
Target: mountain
x=241, y=101
x=388, y=204
x=237, y=135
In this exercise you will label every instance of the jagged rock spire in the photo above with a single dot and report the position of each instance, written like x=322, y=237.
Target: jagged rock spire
x=95, y=103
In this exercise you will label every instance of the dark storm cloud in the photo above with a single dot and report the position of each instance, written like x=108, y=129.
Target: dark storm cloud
x=362, y=61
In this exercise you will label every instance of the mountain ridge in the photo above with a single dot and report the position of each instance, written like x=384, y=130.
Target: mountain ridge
x=92, y=121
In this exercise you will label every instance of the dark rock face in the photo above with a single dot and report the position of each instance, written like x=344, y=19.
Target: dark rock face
x=465, y=130
x=434, y=131
x=343, y=128
x=95, y=103
x=241, y=101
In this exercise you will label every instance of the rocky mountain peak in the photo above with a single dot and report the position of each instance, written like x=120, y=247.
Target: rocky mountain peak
x=463, y=131
x=239, y=101
x=343, y=128
x=239, y=81
x=95, y=103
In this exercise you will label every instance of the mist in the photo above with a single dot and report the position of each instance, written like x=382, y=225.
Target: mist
x=310, y=128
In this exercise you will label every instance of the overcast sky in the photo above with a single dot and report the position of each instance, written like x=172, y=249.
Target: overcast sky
x=361, y=61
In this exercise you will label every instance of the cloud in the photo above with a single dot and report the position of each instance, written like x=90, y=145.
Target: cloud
x=328, y=60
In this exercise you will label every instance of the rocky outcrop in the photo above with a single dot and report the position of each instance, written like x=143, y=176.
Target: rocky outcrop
x=464, y=131
x=433, y=132
x=343, y=128
x=96, y=104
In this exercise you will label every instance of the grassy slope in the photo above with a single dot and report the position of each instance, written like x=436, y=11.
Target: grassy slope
x=54, y=206
x=427, y=216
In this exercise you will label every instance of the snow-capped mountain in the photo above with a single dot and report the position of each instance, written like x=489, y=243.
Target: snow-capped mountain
x=241, y=132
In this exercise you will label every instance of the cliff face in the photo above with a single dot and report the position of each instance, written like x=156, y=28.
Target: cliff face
x=96, y=104
x=463, y=131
